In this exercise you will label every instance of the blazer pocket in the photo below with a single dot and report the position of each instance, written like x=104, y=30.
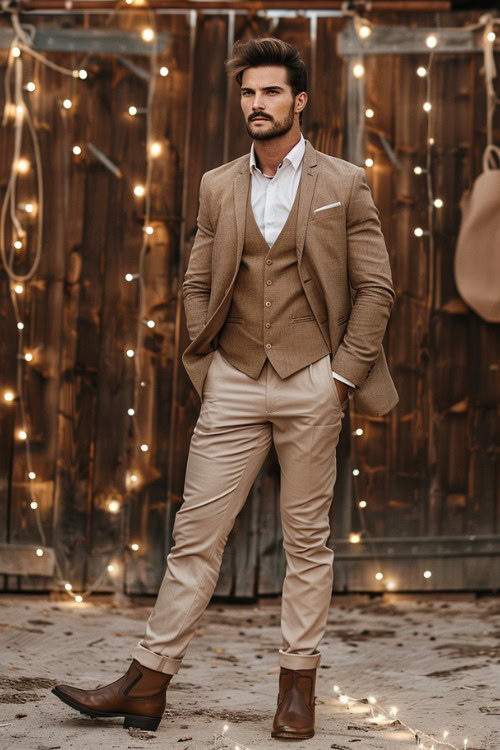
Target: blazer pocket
x=232, y=319
x=335, y=212
x=302, y=318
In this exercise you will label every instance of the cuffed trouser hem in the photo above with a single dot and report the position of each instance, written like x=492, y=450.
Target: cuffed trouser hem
x=299, y=661
x=149, y=659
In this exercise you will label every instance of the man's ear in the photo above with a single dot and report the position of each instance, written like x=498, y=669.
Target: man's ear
x=300, y=102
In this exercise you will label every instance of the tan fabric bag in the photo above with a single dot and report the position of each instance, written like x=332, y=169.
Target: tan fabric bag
x=477, y=257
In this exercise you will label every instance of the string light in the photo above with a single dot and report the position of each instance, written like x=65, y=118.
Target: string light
x=8, y=396
x=110, y=568
x=33, y=505
x=144, y=448
x=78, y=599
x=354, y=538
x=369, y=113
x=22, y=434
x=358, y=70
x=131, y=276
x=67, y=104
x=130, y=353
x=150, y=323
x=31, y=475
x=369, y=162
x=139, y=191
x=362, y=503
x=379, y=576
x=18, y=244
x=427, y=106
x=28, y=357
x=19, y=289
x=355, y=472
x=23, y=166
x=163, y=71
x=491, y=36
x=431, y=41
x=155, y=149
x=421, y=71
x=113, y=506
x=68, y=586
x=149, y=230
x=132, y=110
x=39, y=552
x=20, y=326
x=77, y=150
x=438, y=203
x=419, y=170
x=29, y=208
x=148, y=35
x=427, y=574
x=364, y=31
x=16, y=52
x=131, y=412
x=358, y=431
x=134, y=546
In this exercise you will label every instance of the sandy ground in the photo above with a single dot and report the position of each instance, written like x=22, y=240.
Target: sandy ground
x=435, y=658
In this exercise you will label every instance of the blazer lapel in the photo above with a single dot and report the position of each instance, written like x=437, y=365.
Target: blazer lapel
x=241, y=187
x=307, y=186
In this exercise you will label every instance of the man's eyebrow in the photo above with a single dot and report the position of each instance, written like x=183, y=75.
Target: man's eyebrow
x=265, y=88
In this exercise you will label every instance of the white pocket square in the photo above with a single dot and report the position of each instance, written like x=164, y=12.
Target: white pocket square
x=329, y=205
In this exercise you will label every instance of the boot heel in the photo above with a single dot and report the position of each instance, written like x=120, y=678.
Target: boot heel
x=141, y=722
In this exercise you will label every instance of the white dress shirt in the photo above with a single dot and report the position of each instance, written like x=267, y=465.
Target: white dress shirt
x=273, y=196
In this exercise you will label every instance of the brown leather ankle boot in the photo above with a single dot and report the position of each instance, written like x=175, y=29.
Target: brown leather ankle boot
x=139, y=696
x=294, y=718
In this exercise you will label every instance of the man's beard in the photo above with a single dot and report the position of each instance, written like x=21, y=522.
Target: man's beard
x=277, y=129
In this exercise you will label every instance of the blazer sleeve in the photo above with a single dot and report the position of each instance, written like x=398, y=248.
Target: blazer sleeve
x=370, y=280
x=198, y=277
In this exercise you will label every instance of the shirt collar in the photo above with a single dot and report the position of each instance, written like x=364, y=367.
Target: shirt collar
x=294, y=156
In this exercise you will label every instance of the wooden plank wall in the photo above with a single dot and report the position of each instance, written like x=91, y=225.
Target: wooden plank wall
x=429, y=468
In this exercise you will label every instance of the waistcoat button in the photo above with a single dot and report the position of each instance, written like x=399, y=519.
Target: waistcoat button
x=269, y=282
x=268, y=325
x=268, y=346
x=268, y=304
x=268, y=262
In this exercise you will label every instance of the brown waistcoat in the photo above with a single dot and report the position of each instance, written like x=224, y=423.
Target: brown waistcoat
x=268, y=304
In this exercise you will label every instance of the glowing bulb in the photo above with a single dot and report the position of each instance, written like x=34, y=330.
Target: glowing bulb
x=368, y=162
x=358, y=71
x=391, y=585
x=30, y=86
x=358, y=431
x=23, y=166
x=68, y=586
x=67, y=104
x=491, y=36
x=8, y=396
x=32, y=475
x=19, y=289
x=77, y=150
x=336, y=688
x=130, y=353
x=155, y=149
x=131, y=412
x=78, y=599
x=393, y=710
x=148, y=35
x=29, y=208
x=139, y=190
x=379, y=576
x=129, y=277
x=134, y=546
x=427, y=574
x=111, y=568
x=20, y=326
x=344, y=699
x=15, y=51
x=355, y=472
x=144, y=448
x=431, y=141
x=39, y=552
x=129, y=2
x=133, y=477
x=362, y=503
x=354, y=538
x=149, y=230
x=34, y=505
x=22, y=434
x=431, y=41
x=427, y=106
x=150, y=324
x=445, y=734
x=113, y=506
x=82, y=74
x=28, y=356
x=18, y=244
x=421, y=71
x=418, y=170
x=364, y=31
x=132, y=110
x=369, y=113
x=418, y=231
x=225, y=727
x=372, y=700
x=163, y=71
x=438, y=203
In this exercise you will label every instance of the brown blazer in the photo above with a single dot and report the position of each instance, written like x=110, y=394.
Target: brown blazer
x=340, y=252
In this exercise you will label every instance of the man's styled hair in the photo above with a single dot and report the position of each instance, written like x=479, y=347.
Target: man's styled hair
x=269, y=51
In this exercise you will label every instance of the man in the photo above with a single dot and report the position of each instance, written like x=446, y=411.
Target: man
x=287, y=296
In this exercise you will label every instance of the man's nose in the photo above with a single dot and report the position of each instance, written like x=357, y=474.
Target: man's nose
x=257, y=102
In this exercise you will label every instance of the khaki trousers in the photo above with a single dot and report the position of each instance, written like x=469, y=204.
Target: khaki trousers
x=239, y=417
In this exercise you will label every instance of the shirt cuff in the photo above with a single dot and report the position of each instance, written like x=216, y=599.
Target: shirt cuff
x=344, y=380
